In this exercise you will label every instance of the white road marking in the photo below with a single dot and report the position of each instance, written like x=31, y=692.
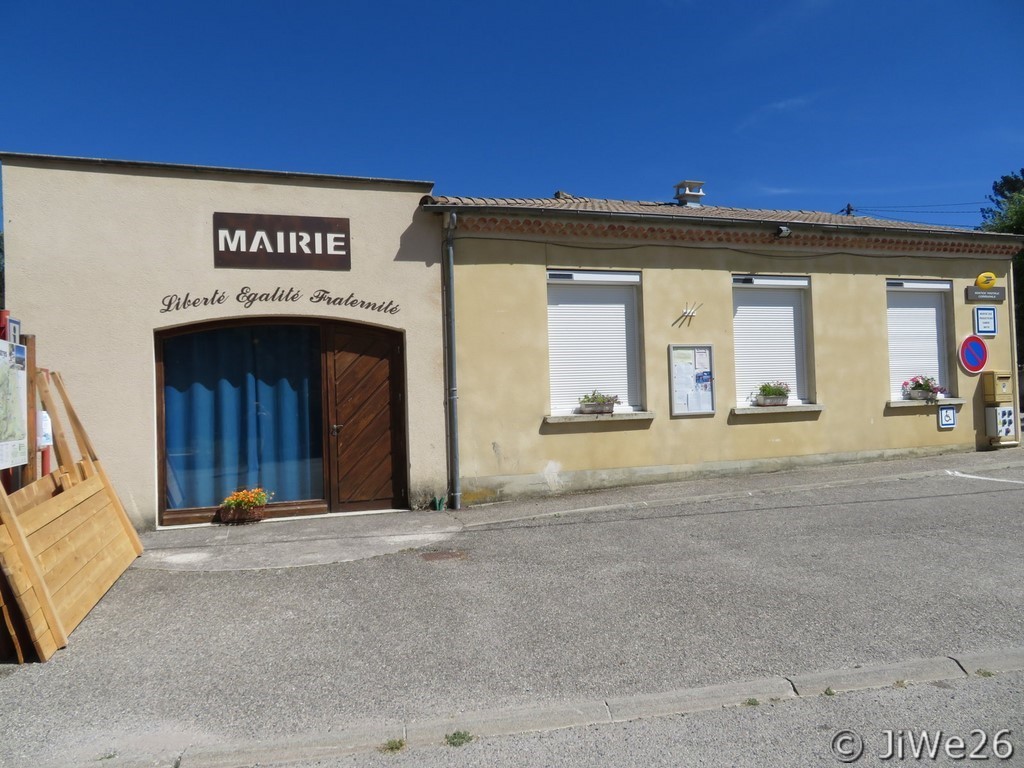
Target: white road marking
x=979, y=477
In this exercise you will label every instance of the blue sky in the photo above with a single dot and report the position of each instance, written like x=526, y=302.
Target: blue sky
x=791, y=104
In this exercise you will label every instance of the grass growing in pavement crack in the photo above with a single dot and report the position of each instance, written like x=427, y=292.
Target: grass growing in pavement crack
x=458, y=738
x=830, y=691
x=900, y=684
x=751, y=702
x=985, y=673
x=393, y=745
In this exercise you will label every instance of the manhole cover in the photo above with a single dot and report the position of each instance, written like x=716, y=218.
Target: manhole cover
x=449, y=554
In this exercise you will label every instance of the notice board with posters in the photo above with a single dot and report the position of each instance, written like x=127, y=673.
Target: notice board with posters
x=13, y=406
x=692, y=380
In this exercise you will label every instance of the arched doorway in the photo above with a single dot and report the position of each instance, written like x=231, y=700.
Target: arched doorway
x=313, y=411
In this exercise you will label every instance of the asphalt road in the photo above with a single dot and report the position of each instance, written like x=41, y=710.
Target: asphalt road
x=717, y=583
x=796, y=733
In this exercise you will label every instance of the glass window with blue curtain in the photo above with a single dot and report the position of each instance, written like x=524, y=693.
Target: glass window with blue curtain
x=242, y=408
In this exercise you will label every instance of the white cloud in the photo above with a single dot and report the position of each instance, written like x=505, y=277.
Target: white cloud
x=782, y=106
x=787, y=104
x=779, y=191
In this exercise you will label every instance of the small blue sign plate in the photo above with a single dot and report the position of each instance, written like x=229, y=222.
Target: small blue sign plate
x=947, y=416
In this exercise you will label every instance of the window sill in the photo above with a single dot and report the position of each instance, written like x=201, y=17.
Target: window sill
x=925, y=403
x=575, y=418
x=781, y=410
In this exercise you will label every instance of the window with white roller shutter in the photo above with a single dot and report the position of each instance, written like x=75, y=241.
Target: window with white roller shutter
x=593, y=337
x=769, y=338
x=916, y=314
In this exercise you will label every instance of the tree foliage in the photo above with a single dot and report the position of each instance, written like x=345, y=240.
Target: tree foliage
x=1008, y=216
x=1008, y=198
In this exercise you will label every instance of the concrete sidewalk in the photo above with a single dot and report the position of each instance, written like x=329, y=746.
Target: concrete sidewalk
x=292, y=543
x=286, y=543
x=217, y=648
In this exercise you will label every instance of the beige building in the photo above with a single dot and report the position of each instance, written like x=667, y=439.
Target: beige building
x=221, y=329
x=682, y=311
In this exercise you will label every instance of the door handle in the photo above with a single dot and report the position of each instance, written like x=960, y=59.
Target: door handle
x=336, y=428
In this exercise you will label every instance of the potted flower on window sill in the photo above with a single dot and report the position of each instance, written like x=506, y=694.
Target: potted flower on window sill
x=596, y=402
x=922, y=388
x=772, y=393
x=244, y=506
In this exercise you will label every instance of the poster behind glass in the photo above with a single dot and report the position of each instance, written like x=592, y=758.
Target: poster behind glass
x=13, y=405
x=692, y=379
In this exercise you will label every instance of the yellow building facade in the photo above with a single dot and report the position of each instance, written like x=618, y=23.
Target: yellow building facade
x=694, y=306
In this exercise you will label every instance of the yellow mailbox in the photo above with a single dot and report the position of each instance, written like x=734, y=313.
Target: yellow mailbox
x=997, y=387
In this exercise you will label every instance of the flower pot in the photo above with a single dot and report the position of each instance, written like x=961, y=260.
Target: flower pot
x=597, y=407
x=920, y=394
x=772, y=400
x=241, y=515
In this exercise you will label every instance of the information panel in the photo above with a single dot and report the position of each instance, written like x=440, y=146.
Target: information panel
x=13, y=406
x=692, y=380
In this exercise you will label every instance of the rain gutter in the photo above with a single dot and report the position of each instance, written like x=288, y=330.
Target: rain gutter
x=452, y=412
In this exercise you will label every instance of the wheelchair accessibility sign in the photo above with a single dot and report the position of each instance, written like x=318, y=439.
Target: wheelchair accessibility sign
x=947, y=416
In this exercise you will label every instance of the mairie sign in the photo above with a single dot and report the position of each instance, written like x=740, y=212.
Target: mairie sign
x=973, y=354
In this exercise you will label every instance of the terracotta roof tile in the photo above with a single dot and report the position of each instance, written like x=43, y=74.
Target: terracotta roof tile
x=682, y=213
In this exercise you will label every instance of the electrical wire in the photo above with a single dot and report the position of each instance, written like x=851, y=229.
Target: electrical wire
x=880, y=211
x=932, y=205
x=907, y=210
x=914, y=221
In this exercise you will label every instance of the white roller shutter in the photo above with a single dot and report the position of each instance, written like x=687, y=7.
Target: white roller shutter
x=768, y=333
x=592, y=343
x=917, y=336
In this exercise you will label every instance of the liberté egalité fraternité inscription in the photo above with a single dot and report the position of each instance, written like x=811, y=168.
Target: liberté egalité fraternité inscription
x=248, y=298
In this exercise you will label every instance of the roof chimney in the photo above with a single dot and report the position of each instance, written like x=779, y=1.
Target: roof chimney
x=689, y=193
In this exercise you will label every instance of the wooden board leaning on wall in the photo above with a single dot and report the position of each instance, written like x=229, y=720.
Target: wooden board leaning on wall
x=64, y=538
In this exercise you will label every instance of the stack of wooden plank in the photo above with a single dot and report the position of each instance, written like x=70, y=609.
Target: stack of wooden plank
x=64, y=540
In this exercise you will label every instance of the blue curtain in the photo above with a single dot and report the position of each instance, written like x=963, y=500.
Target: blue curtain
x=242, y=409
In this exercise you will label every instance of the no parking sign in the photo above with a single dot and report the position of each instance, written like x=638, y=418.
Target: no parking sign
x=973, y=354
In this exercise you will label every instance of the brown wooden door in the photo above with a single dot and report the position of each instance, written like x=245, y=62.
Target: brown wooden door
x=365, y=424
